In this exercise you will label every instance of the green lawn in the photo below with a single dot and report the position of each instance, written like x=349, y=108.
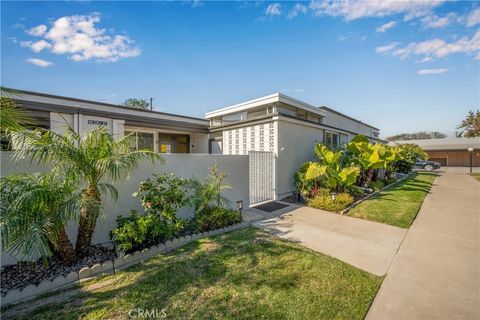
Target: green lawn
x=476, y=175
x=398, y=205
x=246, y=274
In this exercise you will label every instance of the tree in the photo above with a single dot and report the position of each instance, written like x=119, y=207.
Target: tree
x=137, y=103
x=421, y=135
x=33, y=213
x=470, y=127
x=88, y=158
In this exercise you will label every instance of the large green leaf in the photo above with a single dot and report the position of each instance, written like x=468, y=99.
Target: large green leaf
x=349, y=175
x=314, y=170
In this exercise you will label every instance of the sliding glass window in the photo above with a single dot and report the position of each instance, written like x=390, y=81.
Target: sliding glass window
x=141, y=140
x=173, y=143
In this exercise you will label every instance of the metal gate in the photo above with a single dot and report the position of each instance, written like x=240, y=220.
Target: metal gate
x=261, y=180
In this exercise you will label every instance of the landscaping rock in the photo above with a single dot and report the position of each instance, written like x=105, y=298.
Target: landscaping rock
x=22, y=274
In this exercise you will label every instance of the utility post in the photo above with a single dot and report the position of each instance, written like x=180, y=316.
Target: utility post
x=151, y=103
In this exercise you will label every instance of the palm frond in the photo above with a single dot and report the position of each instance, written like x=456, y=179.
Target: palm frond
x=34, y=208
x=12, y=118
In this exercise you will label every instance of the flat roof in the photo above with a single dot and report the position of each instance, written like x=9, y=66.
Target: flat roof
x=68, y=102
x=444, y=144
x=276, y=97
x=344, y=115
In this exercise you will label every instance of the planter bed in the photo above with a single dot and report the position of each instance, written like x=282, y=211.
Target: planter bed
x=23, y=274
x=42, y=278
x=358, y=199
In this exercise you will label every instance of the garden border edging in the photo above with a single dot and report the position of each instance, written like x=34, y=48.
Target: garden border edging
x=123, y=261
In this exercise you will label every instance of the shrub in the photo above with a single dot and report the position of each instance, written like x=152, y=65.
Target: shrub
x=325, y=202
x=355, y=191
x=163, y=195
x=209, y=193
x=409, y=153
x=376, y=185
x=213, y=218
x=390, y=181
x=138, y=231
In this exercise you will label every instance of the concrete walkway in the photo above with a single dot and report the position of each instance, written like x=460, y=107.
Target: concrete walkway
x=435, y=274
x=367, y=245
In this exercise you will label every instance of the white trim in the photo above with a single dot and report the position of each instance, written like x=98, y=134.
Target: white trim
x=276, y=97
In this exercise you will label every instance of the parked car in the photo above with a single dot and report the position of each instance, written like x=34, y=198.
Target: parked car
x=426, y=165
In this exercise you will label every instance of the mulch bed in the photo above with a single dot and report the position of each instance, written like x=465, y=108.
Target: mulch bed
x=22, y=274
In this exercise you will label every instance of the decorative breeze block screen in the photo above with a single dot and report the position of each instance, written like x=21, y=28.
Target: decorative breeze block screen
x=260, y=137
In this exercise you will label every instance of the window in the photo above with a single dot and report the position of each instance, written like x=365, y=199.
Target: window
x=141, y=140
x=173, y=143
x=331, y=140
x=234, y=117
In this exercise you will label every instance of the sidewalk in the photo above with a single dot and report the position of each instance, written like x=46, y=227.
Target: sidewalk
x=435, y=274
x=367, y=245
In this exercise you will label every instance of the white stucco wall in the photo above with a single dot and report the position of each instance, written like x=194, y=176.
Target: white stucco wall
x=183, y=165
x=295, y=146
x=199, y=143
x=59, y=122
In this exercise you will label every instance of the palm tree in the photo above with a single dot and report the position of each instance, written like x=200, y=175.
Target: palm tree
x=209, y=193
x=11, y=117
x=91, y=158
x=33, y=213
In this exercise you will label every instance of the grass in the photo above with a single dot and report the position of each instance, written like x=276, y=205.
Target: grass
x=246, y=274
x=476, y=175
x=397, y=205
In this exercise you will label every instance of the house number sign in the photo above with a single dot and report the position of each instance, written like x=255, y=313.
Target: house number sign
x=98, y=123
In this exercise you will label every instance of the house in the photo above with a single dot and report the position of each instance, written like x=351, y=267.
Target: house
x=278, y=131
x=287, y=128
x=450, y=152
x=158, y=131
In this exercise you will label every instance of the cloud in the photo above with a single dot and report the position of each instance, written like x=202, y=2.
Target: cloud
x=386, y=26
x=273, y=9
x=298, y=8
x=78, y=37
x=356, y=9
x=438, y=48
x=196, y=3
x=434, y=22
x=18, y=26
x=40, y=62
x=432, y=71
x=387, y=47
x=37, y=31
x=473, y=18
x=36, y=46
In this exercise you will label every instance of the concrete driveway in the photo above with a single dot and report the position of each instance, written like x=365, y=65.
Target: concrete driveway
x=367, y=245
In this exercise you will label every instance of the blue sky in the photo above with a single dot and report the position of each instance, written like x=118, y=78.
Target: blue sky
x=401, y=66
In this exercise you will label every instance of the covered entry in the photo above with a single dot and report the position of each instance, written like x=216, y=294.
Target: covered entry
x=261, y=180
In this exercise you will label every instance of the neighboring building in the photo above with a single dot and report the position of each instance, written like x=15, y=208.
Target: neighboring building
x=449, y=152
x=158, y=131
x=283, y=126
x=287, y=127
